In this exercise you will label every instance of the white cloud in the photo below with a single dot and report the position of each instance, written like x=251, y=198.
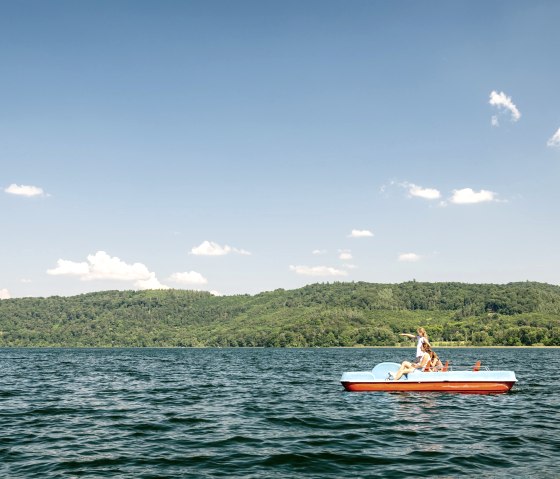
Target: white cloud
x=360, y=234
x=318, y=252
x=5, y=294
x=209, y=248
x=420, y=192
x=24, y=190
x=69, y=268
x=345, y=255
x=102, y=266
x=151, y=283
x=25, y=281
x=426, y=193
x=501, y=100
x=469, y=196
x=318, y=271
x=409, y=257
x=495, y=121
x=188, y=277
x=554, y=140
x=459, y=196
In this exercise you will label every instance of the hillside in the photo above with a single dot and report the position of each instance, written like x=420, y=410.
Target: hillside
x=337, y=314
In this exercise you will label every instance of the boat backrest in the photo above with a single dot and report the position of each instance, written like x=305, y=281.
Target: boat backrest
x=381, y=370
x=445, y=367
x=477, y=366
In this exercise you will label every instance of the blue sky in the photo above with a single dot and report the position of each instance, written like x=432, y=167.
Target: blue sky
x=240, y=147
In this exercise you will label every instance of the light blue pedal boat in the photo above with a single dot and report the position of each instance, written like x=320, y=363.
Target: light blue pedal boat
x=477, y=380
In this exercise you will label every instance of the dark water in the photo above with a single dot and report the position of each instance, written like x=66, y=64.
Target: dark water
x=267, y=413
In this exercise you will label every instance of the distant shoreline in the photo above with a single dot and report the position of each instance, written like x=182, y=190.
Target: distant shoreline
x=318, y=315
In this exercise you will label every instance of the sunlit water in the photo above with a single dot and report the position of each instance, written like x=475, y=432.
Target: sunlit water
x=267, y=413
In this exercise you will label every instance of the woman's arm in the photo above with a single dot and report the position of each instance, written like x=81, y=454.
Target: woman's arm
x=411, y=336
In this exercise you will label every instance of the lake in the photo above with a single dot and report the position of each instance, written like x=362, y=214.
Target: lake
x=267, y=413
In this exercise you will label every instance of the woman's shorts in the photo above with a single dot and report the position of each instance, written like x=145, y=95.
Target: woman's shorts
x=417, y=360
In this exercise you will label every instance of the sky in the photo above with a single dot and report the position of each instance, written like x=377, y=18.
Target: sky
x=240, y=147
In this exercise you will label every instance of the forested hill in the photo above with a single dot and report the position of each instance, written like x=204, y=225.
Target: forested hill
x=337, y=314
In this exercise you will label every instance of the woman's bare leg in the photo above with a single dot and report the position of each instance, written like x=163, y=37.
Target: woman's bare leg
x=405, y=366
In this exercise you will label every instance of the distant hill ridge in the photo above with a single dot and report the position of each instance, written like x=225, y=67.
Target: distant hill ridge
x=321, y=314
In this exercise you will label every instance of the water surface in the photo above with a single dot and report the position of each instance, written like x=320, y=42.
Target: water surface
x=267, y=413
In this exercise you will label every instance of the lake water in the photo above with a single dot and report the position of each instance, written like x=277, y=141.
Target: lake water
x=267, y=413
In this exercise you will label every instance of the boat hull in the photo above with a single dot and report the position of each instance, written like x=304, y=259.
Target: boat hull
x=472, y=387
x=473, y=382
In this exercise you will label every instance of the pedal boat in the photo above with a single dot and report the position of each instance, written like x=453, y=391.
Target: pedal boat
x=474, y=381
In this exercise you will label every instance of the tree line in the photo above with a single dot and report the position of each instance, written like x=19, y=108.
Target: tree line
x=317, y=315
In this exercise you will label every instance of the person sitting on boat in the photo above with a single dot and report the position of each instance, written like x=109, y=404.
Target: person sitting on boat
x=435, y=362
x=407, y=367
x=421, y=339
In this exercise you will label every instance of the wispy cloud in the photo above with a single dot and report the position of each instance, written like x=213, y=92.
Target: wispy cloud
x=209, y=248
x=101, y=266
x=409, y=257
x=501, y=100
x=467, y=196
x=554, y=140
x=345, y=254
x=188, y=277
x=360, y=234
x=318, y=271
x=5, y=294
x=319, y=252
x=24, y=190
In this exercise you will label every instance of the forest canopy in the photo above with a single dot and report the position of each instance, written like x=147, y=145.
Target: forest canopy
x=323, y=314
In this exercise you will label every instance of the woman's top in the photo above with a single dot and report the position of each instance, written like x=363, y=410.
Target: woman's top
x=419, y=349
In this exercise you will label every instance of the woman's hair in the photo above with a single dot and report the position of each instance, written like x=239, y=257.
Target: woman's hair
x=426, y=348
x=422, y=332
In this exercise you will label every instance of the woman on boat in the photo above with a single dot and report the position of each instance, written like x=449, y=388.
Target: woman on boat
x=407, y=367
x=435, y=362
x=421, y=339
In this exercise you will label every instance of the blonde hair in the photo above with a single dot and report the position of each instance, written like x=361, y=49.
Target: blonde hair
x=422, y=332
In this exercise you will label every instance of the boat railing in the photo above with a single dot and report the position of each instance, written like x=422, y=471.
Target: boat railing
x=467, y=367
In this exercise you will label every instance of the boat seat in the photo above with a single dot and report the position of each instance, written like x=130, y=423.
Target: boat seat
x=477, y=366
x=445, y=367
